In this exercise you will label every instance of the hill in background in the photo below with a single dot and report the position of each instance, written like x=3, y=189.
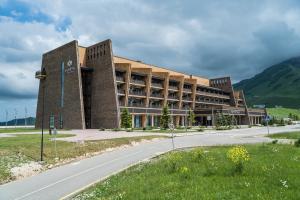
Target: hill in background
x=277, y=85
x=20, y=122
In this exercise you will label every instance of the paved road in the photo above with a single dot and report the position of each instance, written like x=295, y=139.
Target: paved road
x=62, y=181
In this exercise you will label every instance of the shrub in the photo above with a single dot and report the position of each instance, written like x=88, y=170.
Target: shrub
x=165, y=118
x=101, y=129
x=126, y=119
x=173, y=162
x=274, y=141
x=116, y=129
x=184, y=171
x=197, y=154
x=238, y=156
x=297, y=143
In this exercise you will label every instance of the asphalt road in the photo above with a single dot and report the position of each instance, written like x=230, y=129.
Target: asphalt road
x=63, y=181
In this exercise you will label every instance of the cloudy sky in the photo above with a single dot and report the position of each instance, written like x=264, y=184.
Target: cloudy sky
x=209, y=38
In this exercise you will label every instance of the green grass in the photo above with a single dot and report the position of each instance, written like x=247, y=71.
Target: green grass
x=271, y=173
x=289, y=135
x=282, y=112
x=17, y=130
x=24, y=148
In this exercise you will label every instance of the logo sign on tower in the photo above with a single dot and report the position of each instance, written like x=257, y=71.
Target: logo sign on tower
x=70, y=68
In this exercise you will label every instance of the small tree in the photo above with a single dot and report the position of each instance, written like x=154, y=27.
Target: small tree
x=191, y=117
x=165, y=118
x=126, y=120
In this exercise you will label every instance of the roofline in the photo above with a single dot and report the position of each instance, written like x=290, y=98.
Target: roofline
x=162, y=67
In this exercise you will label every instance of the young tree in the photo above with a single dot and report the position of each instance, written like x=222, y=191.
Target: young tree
x=165, y=118
x=126, y=120
x=191, y=117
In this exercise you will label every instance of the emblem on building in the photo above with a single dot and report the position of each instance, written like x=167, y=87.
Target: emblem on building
x=70, y=68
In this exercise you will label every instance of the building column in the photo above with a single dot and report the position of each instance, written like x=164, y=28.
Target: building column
x=132, y=120
x=152, y=120
x=177, y=121
x=144, y=121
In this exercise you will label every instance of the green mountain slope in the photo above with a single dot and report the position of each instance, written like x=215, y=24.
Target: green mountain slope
x=276, y=85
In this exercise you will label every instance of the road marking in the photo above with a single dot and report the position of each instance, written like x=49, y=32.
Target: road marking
x=78, y=174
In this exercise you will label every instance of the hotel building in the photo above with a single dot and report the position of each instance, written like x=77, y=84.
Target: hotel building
x=87, y=87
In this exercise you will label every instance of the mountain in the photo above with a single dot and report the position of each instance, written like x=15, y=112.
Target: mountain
x=20, y=122
x=277, y=85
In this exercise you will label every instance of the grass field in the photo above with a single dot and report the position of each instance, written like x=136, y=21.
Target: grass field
x=282, y=112
x=17, y=130
x=290, y=135
x=271, y=173
x=24, y=148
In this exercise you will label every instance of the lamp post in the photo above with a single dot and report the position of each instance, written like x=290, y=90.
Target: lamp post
x=41, y=75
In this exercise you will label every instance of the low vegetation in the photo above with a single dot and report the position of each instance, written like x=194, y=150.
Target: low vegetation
x=269, y=171
x=289, y=135
x=21, y=149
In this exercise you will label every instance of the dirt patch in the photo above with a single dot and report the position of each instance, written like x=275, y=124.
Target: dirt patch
x=26, y=170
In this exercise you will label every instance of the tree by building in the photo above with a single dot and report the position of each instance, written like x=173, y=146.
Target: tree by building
x=126, y=120
x=191, y=117
x=165, y=118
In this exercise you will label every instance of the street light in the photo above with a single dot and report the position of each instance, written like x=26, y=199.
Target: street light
x=41, y=75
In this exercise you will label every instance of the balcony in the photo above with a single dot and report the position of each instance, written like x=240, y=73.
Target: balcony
x=121, y=92
x=173, y=87
x=211, y=102
x=157, y=95
x=188, y=90
x=213, y=94
x=186, y=107
x=187, y=99
x=173, y=107
x=157, y=85
x=137, y=93
x=120, y=79
x=136, y=105
x=121, y=103
x=137, y=81
x=175, y=97
x=155, y=106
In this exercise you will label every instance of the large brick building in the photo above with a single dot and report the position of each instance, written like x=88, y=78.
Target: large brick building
x=87, y=87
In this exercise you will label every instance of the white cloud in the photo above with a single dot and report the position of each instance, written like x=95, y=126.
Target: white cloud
x=208, y=38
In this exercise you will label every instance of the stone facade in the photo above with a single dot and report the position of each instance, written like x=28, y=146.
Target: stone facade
x=63, y=91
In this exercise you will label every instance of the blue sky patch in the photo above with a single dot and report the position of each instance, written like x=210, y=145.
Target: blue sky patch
x=22, y=12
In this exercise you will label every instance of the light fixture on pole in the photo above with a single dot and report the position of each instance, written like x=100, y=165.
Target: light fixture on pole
x=41, y=75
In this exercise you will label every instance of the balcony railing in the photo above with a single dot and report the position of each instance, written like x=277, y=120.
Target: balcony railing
x=187, y=99
x=186, y=107
x=137, y=93
x=155, y=106
x=159, y=85
x=211, y=102
x=173, y=97
x=213, y=94
x=172, y=87
x=173, y=107
x=121, y=103
x=121, y=91
x=187, y=89
x=156, y=95
x=136, y=105
x=137, y=81
x=120, y=79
